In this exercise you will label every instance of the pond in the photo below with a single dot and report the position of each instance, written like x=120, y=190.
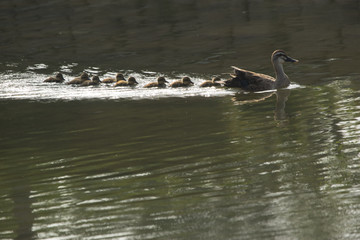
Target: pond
x=196, y=163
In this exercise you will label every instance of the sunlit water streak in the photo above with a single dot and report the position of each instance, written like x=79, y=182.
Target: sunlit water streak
x=194, y=163
x=217, y=169
x=30, y=86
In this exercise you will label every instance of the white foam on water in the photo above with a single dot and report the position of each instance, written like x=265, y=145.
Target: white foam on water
x=29, y=85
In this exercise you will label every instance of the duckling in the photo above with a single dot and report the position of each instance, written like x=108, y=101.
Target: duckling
x=160, y=83
x=184, y=82
x=79, y=80
x=252, y=81
x=58, y=78
x=118, y=77
x=211, y=83
x=130, y=82
x=94, y=81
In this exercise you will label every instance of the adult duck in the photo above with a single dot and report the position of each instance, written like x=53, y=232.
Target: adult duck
x=251, y=81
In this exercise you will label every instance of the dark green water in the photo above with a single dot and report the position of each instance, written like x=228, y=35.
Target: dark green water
x=105, y=163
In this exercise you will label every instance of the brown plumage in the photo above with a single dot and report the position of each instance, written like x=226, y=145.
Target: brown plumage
x=130, y=82
x=93, y=82
x=184, y=82
x=118, y=77
x=251, y=81
x=160, y=83
x=57, y=79
x=79, y=80
x=211, y=83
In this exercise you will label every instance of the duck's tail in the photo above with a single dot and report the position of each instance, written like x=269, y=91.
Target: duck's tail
x=237, y=79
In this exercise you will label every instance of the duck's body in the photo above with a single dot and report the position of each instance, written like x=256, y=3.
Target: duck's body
x=118, y=77
x=184, y=82
x=160, y=83
x=211, y=83
x=130, y=82
x=79, y=80
x=57, y=79
x=93, y=82
x=251, y=81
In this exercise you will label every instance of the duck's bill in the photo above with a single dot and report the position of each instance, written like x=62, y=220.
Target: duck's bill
x=289, y=59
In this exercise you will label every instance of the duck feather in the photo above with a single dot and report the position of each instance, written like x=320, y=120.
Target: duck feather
x=249, y=80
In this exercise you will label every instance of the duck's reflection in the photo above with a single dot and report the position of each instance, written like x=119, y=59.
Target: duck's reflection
x=281, y=98
x=22, y=211
x=248, y=98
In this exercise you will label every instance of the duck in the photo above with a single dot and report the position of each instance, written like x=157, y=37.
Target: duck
x=130, y=82
x=79, y=80
x=160, y=83
x=252, y=81
x=59, y=78
x=118, y=77
x=95, y=80
x=214, y=82
x=184, y=82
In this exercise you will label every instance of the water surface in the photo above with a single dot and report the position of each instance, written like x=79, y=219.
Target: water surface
x=135, y=163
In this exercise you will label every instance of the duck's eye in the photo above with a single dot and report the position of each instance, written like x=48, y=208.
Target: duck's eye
x=282, y=57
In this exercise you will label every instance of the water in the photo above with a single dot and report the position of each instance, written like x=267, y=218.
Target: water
x=135, y=163
x=30, y=86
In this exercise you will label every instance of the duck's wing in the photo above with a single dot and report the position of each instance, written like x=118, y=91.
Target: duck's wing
x=76, y=80
x=176, y=84
x=121, y=83
x=86, y=83
x=108, y=80
x=150, y=85
x=206, y=84
x=250, y=81
x=50, y=79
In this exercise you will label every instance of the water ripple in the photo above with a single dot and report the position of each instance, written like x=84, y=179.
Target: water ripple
x=30, y=86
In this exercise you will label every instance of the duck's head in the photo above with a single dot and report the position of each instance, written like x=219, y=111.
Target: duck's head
x=187, y=81
x=59, y=76
x=280, y=56
x=215, y=79
x=161, y=80
x=119, y=76
x=84, y=75
x=96, y=79
x=132, y=81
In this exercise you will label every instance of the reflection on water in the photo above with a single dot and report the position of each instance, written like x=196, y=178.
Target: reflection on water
x=241, y=98
x=106, y=163
x=282, y=95
x=86, y=169
x=281, y=98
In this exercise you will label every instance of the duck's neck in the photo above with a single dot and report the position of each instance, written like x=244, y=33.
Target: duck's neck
x=282, y=80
